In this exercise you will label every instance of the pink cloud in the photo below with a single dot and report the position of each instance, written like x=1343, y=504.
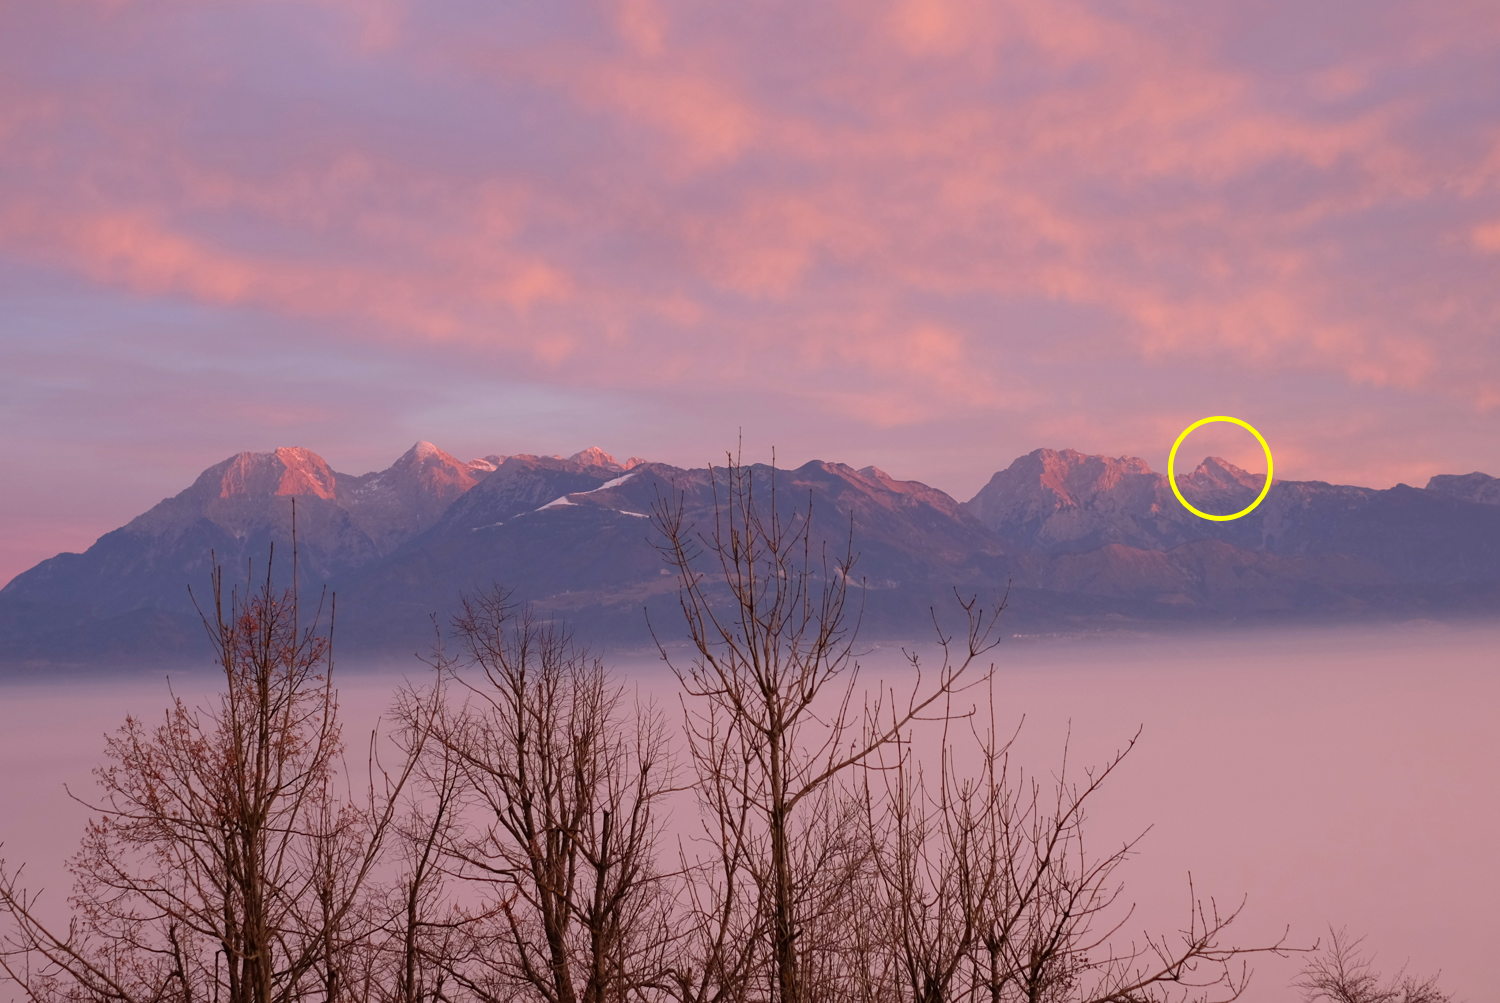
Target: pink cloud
x=1486, y=236
x=846, y=203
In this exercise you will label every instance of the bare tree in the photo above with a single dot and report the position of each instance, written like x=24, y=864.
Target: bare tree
x=929, y=873
x=1044, y=926
x=412, y=926
x=1342, y=974
x=986, y=890
x=564, y=783
x=769, y=692
x=425, y=926
x=220, y=863
x=831, y=861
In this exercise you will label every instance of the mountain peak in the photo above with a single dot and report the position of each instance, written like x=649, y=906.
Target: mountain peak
x=394, y=504
x=481, y=465
x=593, y=457
x=1064, y=499
x=289, y=470
x=1475, y=487
x=248, y=493
x=1218, y=473
x=425, y=454
x=1071, y=476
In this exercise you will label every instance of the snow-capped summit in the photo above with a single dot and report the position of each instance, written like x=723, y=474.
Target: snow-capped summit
x=421, y=451
x=482, y=465
x=1069, y=501
x=1219, y=486
x=594, y=457
x=585, y=459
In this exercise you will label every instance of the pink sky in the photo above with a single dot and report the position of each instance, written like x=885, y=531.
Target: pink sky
x=928, y=234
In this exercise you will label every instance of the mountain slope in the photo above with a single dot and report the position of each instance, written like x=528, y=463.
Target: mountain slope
x=1076, y=541
x=571, y=540
x=1065, y=502
x=232, y=513
x=130, y=591
x=391, y=506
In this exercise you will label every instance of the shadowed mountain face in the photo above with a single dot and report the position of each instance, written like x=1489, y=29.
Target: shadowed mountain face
x=1079, y=541
x=134, y=582
x=581, y=540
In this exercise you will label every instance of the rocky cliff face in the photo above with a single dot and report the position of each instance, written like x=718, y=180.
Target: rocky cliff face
x=237, y=495
x=1069, y=501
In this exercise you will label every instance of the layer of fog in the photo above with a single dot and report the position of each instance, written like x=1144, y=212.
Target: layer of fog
x=1335, y=776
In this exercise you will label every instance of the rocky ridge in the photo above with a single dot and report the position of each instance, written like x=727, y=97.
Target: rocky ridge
x=1073, y=538
x=1069, y=502
x=1475, y=487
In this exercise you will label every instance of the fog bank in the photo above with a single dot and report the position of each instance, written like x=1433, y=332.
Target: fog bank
x=1340, y=776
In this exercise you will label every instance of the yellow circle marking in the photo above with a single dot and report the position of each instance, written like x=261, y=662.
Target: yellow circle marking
x=1172, y=459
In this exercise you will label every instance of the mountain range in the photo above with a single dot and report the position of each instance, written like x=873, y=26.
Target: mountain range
x=1075, y=542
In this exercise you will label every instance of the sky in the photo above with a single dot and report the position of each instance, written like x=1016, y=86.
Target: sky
x=932, y=235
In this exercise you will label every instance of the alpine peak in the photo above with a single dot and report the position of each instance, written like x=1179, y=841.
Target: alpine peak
x=421, y=451
x=1217, y=472
x=1085, y=539
x=593, y=457
x=285, y=471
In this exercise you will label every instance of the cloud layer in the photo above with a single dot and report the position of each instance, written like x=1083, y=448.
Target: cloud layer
x=926, y=233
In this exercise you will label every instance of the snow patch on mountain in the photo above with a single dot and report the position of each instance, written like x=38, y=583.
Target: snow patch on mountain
x=482, y=465
x=568, y=499
x=611, y=484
